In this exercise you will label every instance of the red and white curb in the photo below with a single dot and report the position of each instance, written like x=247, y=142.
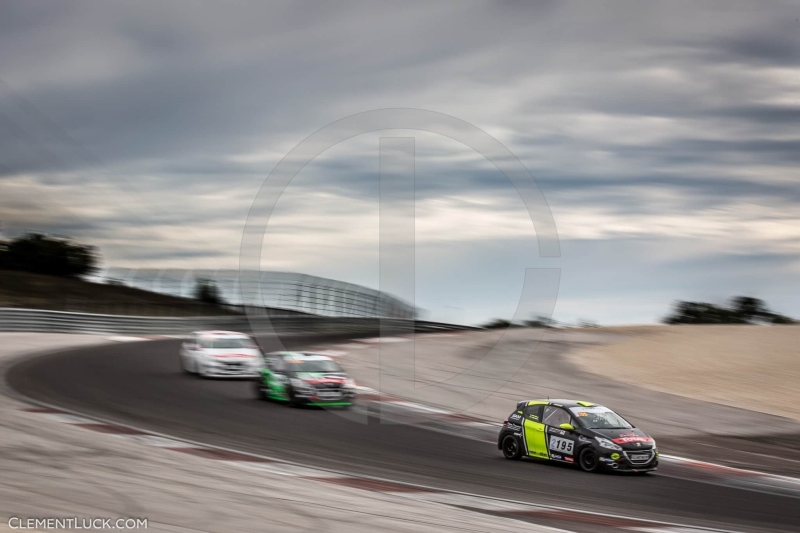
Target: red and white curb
x=549, y=517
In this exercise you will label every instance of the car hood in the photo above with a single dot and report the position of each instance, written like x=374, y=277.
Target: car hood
x=232, y=353
x=629, y=439
x=319, y=378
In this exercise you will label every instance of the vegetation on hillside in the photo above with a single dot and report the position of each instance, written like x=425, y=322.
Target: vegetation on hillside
x=741, y=310
x=44, y=272
x=535, y=322
x=52, y=256
x=36, y=291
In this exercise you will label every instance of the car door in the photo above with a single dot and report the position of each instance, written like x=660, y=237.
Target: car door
x=534, y=431
x=190, y=353
x=561, y=443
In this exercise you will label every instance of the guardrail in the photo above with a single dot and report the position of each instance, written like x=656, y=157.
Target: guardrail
x=37, y=320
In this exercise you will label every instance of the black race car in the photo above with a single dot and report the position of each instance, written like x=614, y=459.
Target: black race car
x=589, y=435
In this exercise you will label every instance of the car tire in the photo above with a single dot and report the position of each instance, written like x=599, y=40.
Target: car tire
x=511, y=448
x=259, y=387
x=588, y=459
x=292, y=398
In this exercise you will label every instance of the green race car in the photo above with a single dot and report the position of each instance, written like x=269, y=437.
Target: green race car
x=302, y=378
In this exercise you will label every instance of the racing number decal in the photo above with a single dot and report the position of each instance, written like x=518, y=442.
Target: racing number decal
x=557, y=444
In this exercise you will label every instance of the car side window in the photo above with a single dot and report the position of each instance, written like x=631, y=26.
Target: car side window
x=533, y=413
x=555, y=416
x=278, y=365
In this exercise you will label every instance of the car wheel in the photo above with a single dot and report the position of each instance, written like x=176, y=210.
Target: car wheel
x=511, y=448
x=261, y=394
x=589, y=460
x=293, y=402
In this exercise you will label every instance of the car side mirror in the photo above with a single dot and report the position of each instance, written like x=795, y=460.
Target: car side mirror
x=568, y=427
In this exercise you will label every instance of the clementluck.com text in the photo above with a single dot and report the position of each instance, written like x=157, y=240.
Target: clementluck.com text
x=76, y=523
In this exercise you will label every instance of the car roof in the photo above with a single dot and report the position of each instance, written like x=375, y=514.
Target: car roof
x=221, y=334
x=561, y=403
x=303, y=356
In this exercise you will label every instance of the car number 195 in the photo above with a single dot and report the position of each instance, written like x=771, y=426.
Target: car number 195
x=561, y=445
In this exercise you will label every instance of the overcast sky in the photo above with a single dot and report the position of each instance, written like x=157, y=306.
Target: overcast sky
x=663, y=135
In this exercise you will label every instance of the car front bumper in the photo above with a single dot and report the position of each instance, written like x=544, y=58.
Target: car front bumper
x=630, y=460
x=229, y=372
x=344, y=397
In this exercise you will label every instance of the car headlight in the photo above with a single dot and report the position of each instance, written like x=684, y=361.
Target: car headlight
x=605, y=443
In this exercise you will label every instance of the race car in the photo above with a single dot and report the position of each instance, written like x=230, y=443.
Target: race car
x=592, y=436
x=303, y=378
x=220, y=354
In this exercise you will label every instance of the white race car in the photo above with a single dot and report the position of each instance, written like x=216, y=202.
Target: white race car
x=221, y=354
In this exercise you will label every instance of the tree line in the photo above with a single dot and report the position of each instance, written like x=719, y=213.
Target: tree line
x=52, y=256
x=62, y=257
x=740, y=310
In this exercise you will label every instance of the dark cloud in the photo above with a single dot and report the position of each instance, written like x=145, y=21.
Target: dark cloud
x=144, y=126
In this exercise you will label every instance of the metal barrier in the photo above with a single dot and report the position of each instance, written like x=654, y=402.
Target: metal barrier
x=36, y=320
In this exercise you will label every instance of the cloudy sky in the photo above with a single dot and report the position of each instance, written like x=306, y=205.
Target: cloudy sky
x=663, y=135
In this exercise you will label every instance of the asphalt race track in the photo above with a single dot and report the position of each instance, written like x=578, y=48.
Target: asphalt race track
x=140, y=383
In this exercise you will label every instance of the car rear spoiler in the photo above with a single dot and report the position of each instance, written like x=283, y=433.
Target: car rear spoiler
x=522, y=404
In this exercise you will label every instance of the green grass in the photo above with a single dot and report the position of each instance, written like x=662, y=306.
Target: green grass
x=35, y=291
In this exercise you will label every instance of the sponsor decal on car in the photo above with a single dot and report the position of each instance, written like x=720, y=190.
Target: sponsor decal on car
x=615, y=456
x=632, y=439
x=569, y=459
x=557, y=431
x=561, y=445
x=556, y=456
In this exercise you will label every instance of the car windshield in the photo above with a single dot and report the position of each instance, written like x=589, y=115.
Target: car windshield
x=599, y=417
x=321, y=365
x=227, y=344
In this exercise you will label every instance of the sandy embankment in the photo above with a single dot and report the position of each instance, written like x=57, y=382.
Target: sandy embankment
x=753, y=367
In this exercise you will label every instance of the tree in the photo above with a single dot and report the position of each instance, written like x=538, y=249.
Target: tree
x=53, y=256
x=539, y=321
x=207, y=292
x=748, y=308
x=497, y=323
